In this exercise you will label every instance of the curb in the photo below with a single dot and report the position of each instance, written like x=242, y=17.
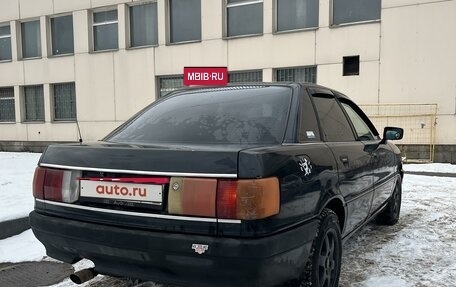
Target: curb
x=13, y=227
x=441, y=174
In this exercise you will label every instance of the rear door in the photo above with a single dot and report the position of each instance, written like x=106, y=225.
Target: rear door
x=383, y=159
x=354, y=164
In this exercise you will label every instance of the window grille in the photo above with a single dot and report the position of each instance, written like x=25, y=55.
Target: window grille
x=34, y=103
x=169, y=84
x=245, y=76
x=300, y=74
x=7, y=109
x=64, y=102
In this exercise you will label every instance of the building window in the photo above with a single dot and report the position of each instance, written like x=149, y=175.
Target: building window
x=244, y=17
x=296, y=14
x=184, y=20
x=143, y=25
x=31, y=39
x=105, y=32
x=34, y=103
x=299, y=75
x=351, y=66
x=245, y=76
x=169, y=84
x=7, y=109
x=349, y=11
x=5, y=43
x=64, y=102
x=62, y=35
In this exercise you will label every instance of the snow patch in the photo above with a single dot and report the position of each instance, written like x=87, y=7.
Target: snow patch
x=431, y=167
x=16, y=169
x=385, y=281
x=22, y=247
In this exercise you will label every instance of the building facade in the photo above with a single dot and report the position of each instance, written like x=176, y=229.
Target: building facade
x=88, y=65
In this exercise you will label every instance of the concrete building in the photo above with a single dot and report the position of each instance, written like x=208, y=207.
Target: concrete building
x=98, y=62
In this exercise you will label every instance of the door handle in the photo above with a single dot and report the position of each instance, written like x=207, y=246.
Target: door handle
x=344, y=159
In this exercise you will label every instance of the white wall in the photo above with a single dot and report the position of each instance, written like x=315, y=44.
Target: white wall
x=407, y=57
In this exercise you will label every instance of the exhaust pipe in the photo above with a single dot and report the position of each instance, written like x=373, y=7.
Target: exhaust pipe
x=83, y=275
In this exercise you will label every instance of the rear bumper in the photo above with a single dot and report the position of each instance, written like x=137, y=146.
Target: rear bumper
x=169, y=257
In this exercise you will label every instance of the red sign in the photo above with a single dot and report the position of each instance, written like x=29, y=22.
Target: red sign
x=205, y=76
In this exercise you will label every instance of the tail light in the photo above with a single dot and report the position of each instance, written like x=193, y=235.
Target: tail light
x=192, y=196
x=56, y=185
x=228, y=199
x=248, y=199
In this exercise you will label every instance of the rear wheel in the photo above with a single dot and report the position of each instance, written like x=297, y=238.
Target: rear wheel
x=323, y=267
x=390, y=215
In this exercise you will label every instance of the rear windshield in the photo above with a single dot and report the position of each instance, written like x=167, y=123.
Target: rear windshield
x=232, y=115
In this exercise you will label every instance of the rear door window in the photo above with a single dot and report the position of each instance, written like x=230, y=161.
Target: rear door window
x=334, y=123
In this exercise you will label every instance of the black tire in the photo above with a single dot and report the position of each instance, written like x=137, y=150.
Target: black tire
x=323, y=267
x=390, y=215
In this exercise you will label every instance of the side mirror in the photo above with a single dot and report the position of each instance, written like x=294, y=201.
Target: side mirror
x=392, y=133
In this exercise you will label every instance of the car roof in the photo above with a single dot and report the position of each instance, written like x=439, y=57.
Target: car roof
x=249, y=85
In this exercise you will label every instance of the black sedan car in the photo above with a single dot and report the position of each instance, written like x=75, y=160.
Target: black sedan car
x=244, y=185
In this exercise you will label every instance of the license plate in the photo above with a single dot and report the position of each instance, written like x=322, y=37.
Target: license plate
x=142, y=193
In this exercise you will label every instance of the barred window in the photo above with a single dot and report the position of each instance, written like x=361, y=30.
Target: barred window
x=31, y=39
x=7, y=110
x=143, y=25
x=169, y=84
x=300, y=74
x=349, y=11
x=64, y=102
x=62, y=35
x=184, y=20
x=296, y=14
x=245, y=76
x=244, y=17
x=5, y=43
x=105, y=32
x=34, y=103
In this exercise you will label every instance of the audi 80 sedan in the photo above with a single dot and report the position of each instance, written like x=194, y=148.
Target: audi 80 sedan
x=243, y=185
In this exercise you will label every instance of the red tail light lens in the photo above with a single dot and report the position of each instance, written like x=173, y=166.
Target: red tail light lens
x=56, y=185
x=227, y=199
x=53, y=185
x=38, y=182
x=248, y=199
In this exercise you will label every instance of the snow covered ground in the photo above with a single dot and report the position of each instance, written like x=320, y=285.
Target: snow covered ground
x=16, y=177
x=434, y=167
x=419, y=251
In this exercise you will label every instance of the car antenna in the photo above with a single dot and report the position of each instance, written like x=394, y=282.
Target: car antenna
x=79, y=131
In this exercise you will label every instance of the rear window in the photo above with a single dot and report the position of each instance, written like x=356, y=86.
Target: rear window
x=231, y=115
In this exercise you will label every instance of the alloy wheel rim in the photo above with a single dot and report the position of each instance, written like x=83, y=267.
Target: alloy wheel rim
x=328, y=260
x=396, y=201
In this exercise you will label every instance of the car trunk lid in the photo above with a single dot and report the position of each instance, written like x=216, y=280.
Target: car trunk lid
x=149, y=187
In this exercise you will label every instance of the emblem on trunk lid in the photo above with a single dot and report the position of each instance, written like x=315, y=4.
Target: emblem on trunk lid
x=200, y=248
